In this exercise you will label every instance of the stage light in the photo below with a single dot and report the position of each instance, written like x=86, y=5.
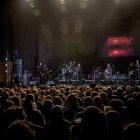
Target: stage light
x=117, y=1
x=84, y=4
x=29, y=0
x=6, y=71
x=6, y=64
x=62, y=2
x=31, y=4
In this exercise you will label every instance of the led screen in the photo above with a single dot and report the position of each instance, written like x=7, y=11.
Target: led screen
x=119, y=46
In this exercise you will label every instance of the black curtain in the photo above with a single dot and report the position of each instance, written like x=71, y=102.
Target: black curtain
x=25, y=33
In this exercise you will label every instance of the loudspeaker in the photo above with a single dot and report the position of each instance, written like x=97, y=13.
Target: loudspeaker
x=50, y=83
x=18, y=66
x=33, y=83
x=97, y=78
x=107, y=82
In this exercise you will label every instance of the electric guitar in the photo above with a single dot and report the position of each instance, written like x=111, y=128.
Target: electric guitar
x=132, y=72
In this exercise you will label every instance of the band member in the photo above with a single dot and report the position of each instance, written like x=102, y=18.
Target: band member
x=138, y=69
x=68, y=73
x=108, y=71
x=63, y=72
x=137, y=64
x=78, y=72
x=132, y=71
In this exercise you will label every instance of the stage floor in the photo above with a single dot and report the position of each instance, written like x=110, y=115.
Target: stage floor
x=101, y=82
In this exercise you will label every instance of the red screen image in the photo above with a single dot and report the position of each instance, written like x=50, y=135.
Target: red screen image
x=118, y=46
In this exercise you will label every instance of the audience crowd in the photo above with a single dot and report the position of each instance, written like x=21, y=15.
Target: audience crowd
x=70, y=112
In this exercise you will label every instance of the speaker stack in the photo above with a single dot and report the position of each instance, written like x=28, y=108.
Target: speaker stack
x=97, y=77
x=18, y=69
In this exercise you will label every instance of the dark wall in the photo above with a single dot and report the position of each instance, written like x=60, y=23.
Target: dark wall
x=2, y=31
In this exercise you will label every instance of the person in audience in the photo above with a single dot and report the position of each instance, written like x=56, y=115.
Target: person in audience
x=33, y=114
x=58, y=127
x=72, y=107
x=20, y=130
x=115, y=125
x=47, y=110
x=72, y=112
x=93, y=124
x=17, y=113
x=132, y=132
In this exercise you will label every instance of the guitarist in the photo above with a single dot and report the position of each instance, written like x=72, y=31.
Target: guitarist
x=132, y=72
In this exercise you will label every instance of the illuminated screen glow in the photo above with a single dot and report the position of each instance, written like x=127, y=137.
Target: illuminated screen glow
x=118, y=46
x=119, y=41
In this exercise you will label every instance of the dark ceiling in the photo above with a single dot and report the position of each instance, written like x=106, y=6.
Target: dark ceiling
x=96, y=12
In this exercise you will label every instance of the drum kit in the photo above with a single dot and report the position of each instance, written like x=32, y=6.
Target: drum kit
x=104, y=74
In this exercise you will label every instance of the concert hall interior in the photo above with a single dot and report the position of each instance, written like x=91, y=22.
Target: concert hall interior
x=70, y=69
x=39, y=38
